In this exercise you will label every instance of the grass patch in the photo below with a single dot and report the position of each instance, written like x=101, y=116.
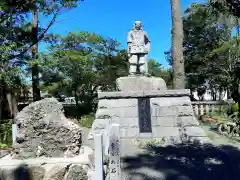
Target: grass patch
x=86, y=120
x=3, y=146
x=211, y=135
x=149, y=144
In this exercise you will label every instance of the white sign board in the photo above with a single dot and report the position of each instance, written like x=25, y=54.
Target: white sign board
x=114, y=153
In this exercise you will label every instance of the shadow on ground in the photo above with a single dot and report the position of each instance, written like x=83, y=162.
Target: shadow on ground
x=185, y=162
x=20, y=173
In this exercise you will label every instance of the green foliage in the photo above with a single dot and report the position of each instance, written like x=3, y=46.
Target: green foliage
x=233, y=108
x=6, y=132
x=79, y=64
x=201, y=38
x=86, y=120
x=2, y=146
x=149, y=144
x=210, y=51
x=156, y=69
x=231, y=7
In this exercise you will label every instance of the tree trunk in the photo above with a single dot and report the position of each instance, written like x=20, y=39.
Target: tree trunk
x=35, y=68
x=12, y=103
x=177, y=46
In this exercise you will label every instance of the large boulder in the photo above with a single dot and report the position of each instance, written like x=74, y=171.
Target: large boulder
x=43, y=130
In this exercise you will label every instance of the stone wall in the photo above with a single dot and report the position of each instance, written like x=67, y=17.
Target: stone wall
x=75, y=168
x=171, y=114
x=40, y=169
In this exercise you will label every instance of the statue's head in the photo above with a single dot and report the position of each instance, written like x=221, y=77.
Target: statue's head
x=138, y=25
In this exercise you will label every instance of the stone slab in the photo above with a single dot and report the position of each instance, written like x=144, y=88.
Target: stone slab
x=149, y=94
x=195, y=131
x=126, y=122
x=171, y=111
x=168, y=101
x=112, y=103
x=140, y=83
x=167, y=121
x=128, y=132
x=126, y=112
x=80, y=159
x=188, y=121
x=165, y=132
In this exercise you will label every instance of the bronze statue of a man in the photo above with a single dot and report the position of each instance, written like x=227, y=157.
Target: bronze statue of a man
x=138, y=48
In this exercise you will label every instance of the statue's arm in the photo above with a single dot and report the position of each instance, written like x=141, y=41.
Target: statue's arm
x=147, y=42
x=129, y=42
x=147, y=39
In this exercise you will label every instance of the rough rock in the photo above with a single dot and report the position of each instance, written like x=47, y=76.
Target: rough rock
x=37, y=172
x=43, y=130
x=46, y=169
x=57, y=172
x=76, y=172
x=22, y=172
x=6, y=173
x=140, y=83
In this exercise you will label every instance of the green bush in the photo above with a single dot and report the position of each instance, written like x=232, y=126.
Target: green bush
x=6, y=133
x=235, y=107
x=86, y=120
x=232, y=109
x=3, y=146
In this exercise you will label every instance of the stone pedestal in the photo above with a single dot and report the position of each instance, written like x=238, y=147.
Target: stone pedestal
x=140, y=83
x=150, y=113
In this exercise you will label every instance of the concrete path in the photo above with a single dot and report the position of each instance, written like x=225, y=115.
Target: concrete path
x=184, y=162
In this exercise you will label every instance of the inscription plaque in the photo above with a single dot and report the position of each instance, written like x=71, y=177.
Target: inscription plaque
x=114, y=153
x=144, y=115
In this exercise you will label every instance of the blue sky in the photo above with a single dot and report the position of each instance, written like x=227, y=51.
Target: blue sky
x=114, y=18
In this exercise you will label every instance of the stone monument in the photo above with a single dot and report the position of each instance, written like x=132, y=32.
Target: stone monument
x=143, y=106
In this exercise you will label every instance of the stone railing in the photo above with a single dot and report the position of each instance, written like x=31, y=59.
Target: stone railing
x=47, y=168
x=107, y=144
x=204, y=107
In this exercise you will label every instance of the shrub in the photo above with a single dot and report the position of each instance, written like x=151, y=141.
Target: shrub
x=2, y=146
x=233, y=108
x=6, y=132
x=86, y=120
x=150, y=144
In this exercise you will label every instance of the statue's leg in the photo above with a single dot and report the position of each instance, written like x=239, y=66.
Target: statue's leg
x=146, y=64
x=142, y=63
x=133, y=64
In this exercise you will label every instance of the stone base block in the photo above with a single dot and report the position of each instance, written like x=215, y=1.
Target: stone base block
x=195, y=131
x=139, y=105
x=140, y=83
